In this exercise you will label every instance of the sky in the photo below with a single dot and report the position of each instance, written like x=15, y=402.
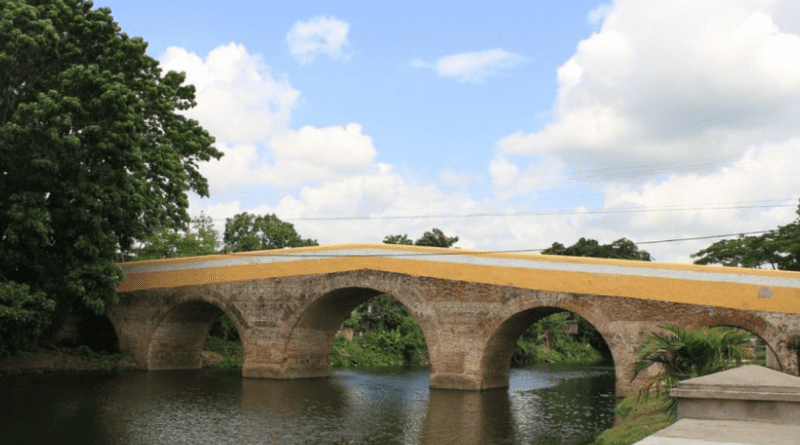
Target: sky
x=511, y=125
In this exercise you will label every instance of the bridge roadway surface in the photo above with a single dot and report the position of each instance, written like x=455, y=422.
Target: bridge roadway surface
x=287, y=305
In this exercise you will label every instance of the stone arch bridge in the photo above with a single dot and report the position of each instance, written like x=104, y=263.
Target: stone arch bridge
x=288, y=304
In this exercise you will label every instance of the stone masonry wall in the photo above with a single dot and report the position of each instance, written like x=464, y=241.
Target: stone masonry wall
x=287, y=325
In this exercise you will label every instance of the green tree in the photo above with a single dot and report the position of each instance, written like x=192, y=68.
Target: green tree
x=622, y=248
x=436, y=238
x=200, y=239
x=245, y=232
x=687, y=354
x=778, y=249
x=397, y=239
x=533, y=339
x=94, y=150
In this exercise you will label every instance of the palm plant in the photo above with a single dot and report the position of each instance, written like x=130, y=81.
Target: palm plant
x=687, y=354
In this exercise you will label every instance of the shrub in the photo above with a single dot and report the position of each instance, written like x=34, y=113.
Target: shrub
x=24, y=315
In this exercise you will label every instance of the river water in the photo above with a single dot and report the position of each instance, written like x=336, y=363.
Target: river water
x=543, y=405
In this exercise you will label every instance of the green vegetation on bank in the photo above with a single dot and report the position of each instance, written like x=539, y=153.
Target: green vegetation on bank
x=223, y=339
x=560, y=338
x=230, y=350
x=682, y=354
x=385, y=334
x=637, y=419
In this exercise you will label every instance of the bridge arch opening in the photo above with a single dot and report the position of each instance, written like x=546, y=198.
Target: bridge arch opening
x=177, y=342
x=762, y=352
x=86, y=329
x=542, y=335
x=319, y=339
x=379, y=332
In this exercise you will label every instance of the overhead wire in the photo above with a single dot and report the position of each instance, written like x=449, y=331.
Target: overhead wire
x=457, y=251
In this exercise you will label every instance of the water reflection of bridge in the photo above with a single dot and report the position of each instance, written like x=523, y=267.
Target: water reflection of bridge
x=471, y=306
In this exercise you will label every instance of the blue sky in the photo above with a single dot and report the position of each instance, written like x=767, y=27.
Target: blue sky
x=551, y=120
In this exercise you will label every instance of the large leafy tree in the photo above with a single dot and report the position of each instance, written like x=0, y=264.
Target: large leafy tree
x=622, y=248
x=246, y=232
x=94, y=150
x=778, y=249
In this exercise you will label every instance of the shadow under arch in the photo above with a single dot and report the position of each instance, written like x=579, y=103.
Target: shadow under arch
x=310, y=339
x=177, y=341
x=496, y=356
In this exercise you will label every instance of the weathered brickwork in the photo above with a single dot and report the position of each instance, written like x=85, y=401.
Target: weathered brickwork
x=287, y=325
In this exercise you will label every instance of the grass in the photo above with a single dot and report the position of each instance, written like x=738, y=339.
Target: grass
x=637, y=419
x=106, y=359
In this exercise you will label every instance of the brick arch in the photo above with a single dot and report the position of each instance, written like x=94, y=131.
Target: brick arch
x=495, y=361
x=308, y=332
x=181, y=327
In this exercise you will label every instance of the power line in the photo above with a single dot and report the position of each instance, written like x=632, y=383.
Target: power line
x=457, y=251
x=540, y=213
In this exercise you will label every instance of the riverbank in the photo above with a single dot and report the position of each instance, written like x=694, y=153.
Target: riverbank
x=636, y=419
x=216, y=354
x=64, y=360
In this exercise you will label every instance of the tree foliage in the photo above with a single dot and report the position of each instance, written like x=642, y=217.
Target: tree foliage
x=778, y=249
x=94, y=151
x=547, y=341
x=199, y=239
x=622, y=248
x=387, y=336
x=245, y=232
x=397, y=239
x=687, y=354
x=23, y=316
x=434, y=238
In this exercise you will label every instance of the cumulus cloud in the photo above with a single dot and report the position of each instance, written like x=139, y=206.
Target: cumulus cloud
x=681, y=80
x=294, y=157
x=320, y=35
x=686, y=105
x=473, y=67
x=248, y=111
x=238, y=99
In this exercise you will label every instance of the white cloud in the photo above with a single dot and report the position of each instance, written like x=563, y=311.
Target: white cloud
x=320, y=154
x=294, y=157
x=320, y=35
x=508, y=181
x=241, y=104
x=473, y=67
x=682, y=104
x=238, y=100
x=675, y=80
x=596, y=15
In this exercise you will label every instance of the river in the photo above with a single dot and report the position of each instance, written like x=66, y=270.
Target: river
x=543, y=405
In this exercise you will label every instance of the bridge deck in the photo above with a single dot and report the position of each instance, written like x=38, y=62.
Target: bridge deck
x=745, y=289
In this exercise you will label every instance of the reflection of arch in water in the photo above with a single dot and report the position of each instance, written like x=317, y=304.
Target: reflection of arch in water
x=177, y=342
x=496, y=359
x=468, y=417
x=310, y=339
